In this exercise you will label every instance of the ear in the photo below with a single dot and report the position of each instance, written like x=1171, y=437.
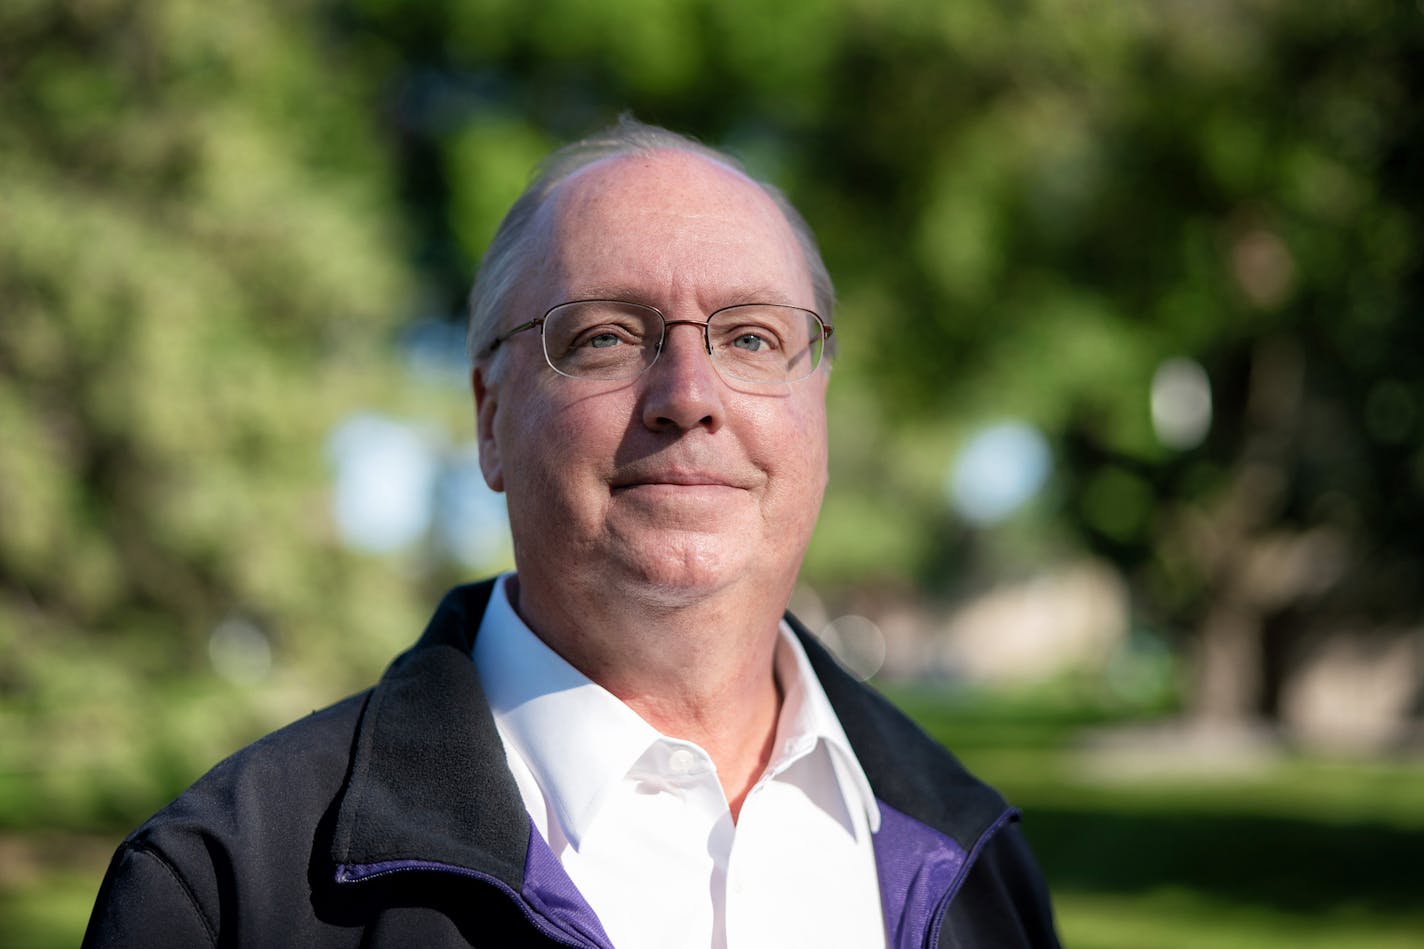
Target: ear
x=486, y=411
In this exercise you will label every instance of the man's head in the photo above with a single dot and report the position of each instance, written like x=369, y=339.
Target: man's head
x=513, y=247
x=682, y=482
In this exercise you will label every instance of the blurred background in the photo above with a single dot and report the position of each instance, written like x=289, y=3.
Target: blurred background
x=1128, y=425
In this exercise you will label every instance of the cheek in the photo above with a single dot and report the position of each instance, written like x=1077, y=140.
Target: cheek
x=560, y=449
x=530, y=456
x=809, y=428
x=796, y=439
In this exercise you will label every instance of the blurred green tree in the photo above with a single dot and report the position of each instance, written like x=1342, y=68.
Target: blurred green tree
x=199, y=265
x=212, y=220
x=1030, y=209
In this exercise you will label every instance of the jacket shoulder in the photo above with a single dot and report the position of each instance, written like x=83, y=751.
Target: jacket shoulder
x=285, y=770
x=145, y=901
x=244, y=832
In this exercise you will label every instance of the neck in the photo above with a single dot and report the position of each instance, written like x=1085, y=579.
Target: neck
x=699, y=671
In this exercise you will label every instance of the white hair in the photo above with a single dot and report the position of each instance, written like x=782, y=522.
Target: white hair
x=513, y=247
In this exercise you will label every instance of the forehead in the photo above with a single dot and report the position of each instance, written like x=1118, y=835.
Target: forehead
x=670, y=225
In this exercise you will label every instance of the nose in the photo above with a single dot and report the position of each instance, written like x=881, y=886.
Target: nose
x=683, y=390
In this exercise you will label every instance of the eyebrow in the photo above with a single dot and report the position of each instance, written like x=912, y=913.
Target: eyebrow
x=732, y=296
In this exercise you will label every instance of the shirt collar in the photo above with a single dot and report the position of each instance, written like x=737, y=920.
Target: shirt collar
x=580, y=740
x=807, y=718
x=577, y=737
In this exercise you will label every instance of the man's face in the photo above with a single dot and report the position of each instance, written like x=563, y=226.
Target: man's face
x=677, y=484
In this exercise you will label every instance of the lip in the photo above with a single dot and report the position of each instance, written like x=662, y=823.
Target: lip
x=675, y=478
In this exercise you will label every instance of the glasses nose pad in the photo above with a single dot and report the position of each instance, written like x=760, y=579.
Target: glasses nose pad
x=704, y=328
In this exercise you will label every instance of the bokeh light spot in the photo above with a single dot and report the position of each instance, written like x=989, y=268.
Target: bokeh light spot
x=385, y=476
x=1000, y=468
x=1181, y=403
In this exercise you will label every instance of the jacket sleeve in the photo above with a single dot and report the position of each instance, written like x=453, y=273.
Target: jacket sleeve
x=144, y=902
x=1003, y=902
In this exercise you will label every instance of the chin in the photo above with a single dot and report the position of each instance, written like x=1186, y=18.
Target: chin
x=680, y=570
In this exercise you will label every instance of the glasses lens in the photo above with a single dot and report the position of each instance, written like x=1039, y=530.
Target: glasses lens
x=766, y=343
x=601, y=339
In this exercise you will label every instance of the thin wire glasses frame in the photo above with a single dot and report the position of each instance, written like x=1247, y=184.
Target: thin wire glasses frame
x=613, y=340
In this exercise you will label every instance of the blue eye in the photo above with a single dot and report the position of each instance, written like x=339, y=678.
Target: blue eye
x=602, y=341
x=750, y=342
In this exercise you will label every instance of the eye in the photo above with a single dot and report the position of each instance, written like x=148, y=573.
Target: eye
x=750, y=339
x=606, y=336
x=751, y=330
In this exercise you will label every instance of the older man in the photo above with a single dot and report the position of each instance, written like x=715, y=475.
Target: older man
x=626, y=742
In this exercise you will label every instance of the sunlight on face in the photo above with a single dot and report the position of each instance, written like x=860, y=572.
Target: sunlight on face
x=675, y=483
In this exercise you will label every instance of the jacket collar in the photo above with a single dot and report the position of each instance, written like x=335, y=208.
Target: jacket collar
x=429, y=782
x=907, y=769
x=428, y=777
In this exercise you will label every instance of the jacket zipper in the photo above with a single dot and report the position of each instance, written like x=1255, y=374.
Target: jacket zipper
x=360, y=873
x=942, y=907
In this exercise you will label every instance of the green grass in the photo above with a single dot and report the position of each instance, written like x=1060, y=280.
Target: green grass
x=1288, y=851
x=1185, y=919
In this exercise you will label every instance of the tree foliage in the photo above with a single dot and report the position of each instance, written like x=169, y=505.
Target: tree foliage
x=212, y=219
x=1029, y=208
x=198, y=261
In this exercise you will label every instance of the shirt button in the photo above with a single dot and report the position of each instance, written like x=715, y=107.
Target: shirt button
x=681, y=761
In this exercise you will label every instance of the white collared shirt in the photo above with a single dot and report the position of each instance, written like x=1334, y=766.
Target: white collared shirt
x=642, y=826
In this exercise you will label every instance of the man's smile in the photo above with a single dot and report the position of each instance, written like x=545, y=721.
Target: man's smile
x=677, y=478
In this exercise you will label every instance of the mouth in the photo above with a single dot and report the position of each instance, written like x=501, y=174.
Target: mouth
x=673, y=480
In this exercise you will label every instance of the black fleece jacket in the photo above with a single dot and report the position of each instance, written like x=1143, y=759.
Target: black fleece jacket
x=391, y=819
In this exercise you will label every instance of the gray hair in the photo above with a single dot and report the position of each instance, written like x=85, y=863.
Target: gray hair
x=513, y=247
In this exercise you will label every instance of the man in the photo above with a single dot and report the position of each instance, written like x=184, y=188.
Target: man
x=623, y=743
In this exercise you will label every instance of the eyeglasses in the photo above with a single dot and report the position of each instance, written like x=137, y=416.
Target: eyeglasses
x=616, y=340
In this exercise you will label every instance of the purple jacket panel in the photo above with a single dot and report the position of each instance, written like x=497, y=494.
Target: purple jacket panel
x=919, y=868
x=548, y=889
